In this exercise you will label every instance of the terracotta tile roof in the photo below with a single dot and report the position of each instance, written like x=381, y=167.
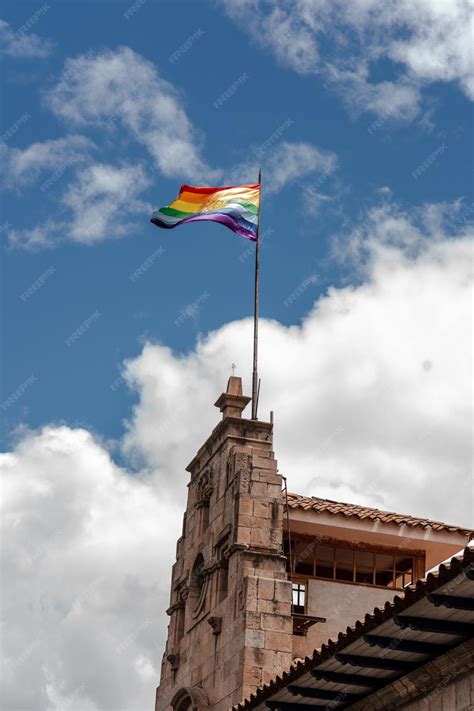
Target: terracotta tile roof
x=460, y=564
x=295, y=501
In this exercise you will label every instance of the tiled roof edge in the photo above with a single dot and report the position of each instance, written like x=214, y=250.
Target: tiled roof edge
x=296, y=501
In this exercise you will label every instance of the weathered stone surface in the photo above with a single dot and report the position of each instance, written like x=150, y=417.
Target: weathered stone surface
x=266, y=588
x=278, y=641
x=254, y=638
x=230, y=526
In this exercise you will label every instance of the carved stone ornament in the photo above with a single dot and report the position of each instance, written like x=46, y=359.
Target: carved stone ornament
x=174, y=661
x=216, y=624
x=204, y=490
x=179, y=605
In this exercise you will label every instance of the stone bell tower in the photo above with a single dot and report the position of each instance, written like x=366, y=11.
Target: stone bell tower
x=230, y=624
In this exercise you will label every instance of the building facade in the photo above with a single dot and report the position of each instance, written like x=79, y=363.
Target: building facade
x=263, y=577
x=416, y=653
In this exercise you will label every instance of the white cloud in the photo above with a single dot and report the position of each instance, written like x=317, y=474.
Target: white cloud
x=122, y=88
x=43, y=236
x=388, y=227
x=313, y=201
x=22, y=166
x=285, y=163
x=439, y=43
x=372, y=405
x=86, y=553
x=395, y=101
x=23, y=43
x=282, y=27
x=99, y=204
x=102, y=197
x=426, y=42
x=291, y=161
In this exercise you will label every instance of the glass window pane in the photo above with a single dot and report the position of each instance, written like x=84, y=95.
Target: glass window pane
x=344, y=564
x=303, y=557
x=384, y=577
x=304, y=567
x=301, y=548
x=344, y=555
x=403, y=564
x=299, y=597
x=324, y=562
x=325, y=553
x=383, y=561
x=344, y=574
x=324, y=569
x=364, y=559
x=365, y=575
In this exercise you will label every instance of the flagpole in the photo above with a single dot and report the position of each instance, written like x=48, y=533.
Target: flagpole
x=255, y=381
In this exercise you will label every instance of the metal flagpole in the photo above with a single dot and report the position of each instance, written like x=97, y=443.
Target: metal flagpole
x=255, y=380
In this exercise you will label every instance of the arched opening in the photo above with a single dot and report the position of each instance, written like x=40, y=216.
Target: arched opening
x=182, y=701
x=197, y=587
x=179, y=628
x=192, y=698
x=197, y=574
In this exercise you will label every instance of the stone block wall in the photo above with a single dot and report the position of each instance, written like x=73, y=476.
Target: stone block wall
x=230, y=610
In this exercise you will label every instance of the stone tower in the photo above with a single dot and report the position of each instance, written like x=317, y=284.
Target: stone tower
x=230, y=624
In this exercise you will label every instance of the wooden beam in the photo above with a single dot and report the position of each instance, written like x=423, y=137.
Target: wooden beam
x=406, y=645
x=311, y=693
x=370, y=682
x=289, y=706
x=452, y=601
x=375, y=662
x=426, y=624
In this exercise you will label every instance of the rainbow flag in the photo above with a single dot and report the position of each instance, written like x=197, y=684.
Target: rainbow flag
x=235, y=207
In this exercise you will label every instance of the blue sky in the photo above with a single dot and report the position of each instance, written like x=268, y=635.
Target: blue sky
x=118, y=336
x=74, y=383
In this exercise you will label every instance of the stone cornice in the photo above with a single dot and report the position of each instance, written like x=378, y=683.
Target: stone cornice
x=211, y=445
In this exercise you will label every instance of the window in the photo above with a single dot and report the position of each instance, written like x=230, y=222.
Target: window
x=384, y=569
x=204, y=523
x=403, y=571
x=221, y=551
x=325, y=562
x=179, y=623
x=223, y=579
x=196, y=587
x=364, y=567
x=344, y=563
x=304, y=557
x=298, y=598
